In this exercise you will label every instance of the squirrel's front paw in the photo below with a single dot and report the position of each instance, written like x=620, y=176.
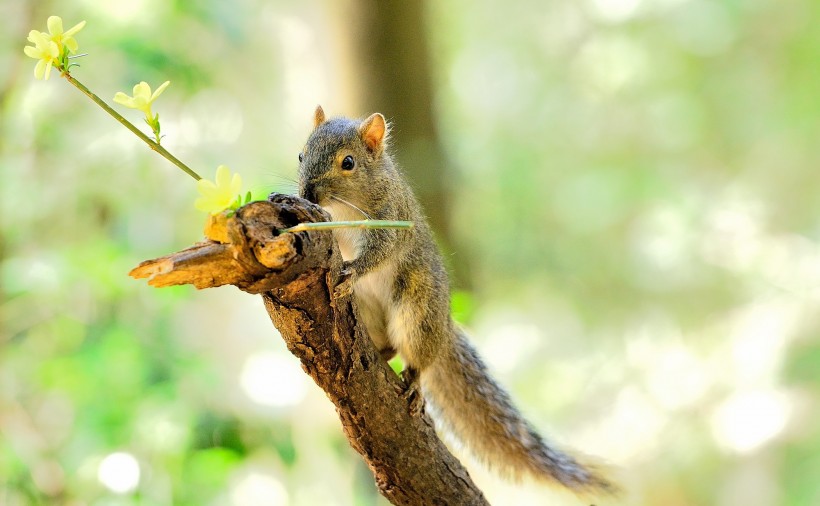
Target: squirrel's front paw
x=345, y=285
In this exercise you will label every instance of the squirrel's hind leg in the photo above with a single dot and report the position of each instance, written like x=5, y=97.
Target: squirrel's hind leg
x=387, y=353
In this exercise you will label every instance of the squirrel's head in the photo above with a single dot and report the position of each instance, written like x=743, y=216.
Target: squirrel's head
x=343, y=159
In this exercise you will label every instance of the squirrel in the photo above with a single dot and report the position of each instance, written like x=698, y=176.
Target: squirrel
x=401, y=288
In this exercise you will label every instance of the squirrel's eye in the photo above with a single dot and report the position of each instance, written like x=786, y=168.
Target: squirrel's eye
x=347, y=163
x=301, y=155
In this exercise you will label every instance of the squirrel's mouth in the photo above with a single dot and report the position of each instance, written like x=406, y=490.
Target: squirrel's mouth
x=331, y=208
x=308, y=194
x=342, y=210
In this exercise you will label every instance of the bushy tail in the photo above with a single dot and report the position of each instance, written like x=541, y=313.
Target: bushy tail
x=468, y=403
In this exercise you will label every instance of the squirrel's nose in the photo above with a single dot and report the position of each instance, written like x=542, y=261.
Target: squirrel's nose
x=308, y=192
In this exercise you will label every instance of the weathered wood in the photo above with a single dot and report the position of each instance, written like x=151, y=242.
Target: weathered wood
x=295, y=274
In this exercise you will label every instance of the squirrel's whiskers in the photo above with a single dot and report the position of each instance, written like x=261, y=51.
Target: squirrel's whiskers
x=343, y=201
x=283, y=184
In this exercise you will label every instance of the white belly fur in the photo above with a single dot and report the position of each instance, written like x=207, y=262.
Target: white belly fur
x=373, y=291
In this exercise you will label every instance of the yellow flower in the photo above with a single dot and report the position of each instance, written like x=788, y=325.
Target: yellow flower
x=44, y=50
x=220, y=195
x=50, y=48
x=61, y=38
x=142, y=98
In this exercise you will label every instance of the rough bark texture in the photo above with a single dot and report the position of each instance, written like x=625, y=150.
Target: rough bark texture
x=295, y=274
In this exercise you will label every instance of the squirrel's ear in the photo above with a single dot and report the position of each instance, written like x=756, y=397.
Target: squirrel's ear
x=318, y=116
x=372, y=132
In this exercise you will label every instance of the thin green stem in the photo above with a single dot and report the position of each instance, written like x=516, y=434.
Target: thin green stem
x=330, y=225
x=127, y=124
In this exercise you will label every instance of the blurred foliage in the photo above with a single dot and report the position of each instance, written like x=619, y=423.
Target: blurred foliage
x=633, y=182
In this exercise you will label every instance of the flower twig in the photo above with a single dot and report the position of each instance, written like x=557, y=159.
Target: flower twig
x=331, y=225
x=130, y=126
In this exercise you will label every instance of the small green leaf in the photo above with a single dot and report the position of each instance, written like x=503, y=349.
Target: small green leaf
x=397, y=364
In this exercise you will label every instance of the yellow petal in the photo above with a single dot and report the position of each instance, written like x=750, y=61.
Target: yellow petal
x=31, y=52
x=74, y=29
x=160, y=90
x=220, y=194
x=71, y=44
x=211, y=195
x=142, y=91
x=202, y=204
x=223, y=175
x=40, y=69
x=43, y=44
x=211, y=205
x=205, y=186
x=51, y=49
x=236, y=185
x=123, y=99
x=55, y=25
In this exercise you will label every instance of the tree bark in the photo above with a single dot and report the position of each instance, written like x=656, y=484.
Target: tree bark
x=295, y=273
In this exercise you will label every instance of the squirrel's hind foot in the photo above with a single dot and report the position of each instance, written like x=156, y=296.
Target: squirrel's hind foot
x=413, y=391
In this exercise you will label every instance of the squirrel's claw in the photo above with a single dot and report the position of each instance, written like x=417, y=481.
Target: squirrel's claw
x=413, y=391
x=345, y=285
x=416, y=400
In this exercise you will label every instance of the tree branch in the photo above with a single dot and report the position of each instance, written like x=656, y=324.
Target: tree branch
x=295, y=273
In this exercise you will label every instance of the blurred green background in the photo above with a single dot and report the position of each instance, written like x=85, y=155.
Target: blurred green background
x=626, y=192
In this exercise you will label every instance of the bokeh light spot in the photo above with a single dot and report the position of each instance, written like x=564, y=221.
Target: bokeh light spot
x=271, y=380
x=119, y=472
x=258, y=488
x=747, y=420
